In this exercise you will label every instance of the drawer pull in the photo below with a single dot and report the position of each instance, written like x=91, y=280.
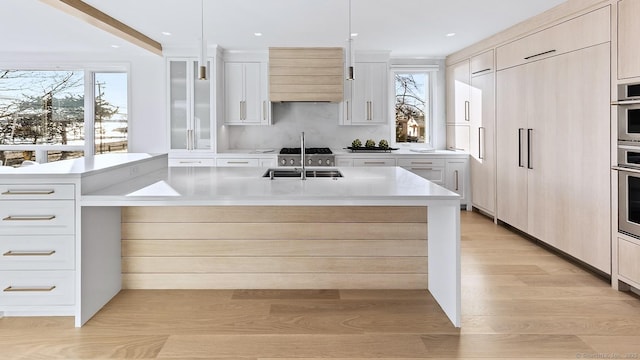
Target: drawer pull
x=29, y=253
x=422, y=169
x=540, y=54
x=29, y=288
x=421, y=163
x=480, y=71
x=374, y=162
x=28, y=218
x=28, y=192
x=237, y=162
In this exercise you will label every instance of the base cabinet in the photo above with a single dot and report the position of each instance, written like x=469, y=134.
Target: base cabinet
x=628, y=265
x=37, y=247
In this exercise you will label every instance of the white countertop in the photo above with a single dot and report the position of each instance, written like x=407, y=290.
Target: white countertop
x=77, y=167
x=210, y=186
x=403, y=151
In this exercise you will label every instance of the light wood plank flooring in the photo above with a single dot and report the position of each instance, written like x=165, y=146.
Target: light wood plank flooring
x=519, y=302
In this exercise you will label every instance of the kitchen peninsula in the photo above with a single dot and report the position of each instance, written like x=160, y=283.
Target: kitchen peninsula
x=136, y=223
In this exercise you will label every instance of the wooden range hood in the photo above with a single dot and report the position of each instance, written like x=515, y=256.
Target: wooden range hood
x=306, y=74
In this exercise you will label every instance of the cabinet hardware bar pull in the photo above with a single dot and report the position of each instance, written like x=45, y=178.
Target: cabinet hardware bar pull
x=28, y=218
x=374, y=163
x=625, y=102
x=370, y=110
x=480, y=71
x=481, y=142
x=520, y=147
x=421, y=162
x=32, y=288
x=348, y=117
x=540, y=54
x=455, y=173
x=190, y=162
x=529, y=136
x=29, y=253
x=237, y=162
x=28, y=192
x=264, y=110
x=423, y=169
x=466, y=110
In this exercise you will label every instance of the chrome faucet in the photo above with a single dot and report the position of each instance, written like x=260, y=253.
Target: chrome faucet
x=303, y=174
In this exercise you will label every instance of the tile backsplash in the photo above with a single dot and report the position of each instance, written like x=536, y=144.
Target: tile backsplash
x=319, y=121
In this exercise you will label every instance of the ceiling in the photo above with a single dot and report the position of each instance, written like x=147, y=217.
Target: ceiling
x=407, y=28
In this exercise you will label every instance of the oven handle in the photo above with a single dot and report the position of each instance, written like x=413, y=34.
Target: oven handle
x=626, y=102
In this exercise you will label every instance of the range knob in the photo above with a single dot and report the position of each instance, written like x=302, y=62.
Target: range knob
x=319, y=161
x=328, y=162
x=310, y=162
x=291, y=161
x=283, y=161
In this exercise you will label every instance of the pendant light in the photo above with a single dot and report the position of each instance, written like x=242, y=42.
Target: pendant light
x=350, y=71
x=202, y=62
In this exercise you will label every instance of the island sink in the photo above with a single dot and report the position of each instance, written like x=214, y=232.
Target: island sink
x=296, y=173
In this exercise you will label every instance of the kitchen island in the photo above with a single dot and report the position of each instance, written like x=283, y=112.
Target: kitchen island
x=167, y=210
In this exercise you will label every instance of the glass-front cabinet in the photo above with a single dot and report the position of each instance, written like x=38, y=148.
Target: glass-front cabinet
x=190, y=105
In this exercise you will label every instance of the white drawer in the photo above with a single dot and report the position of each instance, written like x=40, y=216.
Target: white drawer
x=32, y=217
x=45, y=252
x=420, y=162
x=237, y=162
x=26, y=288
x=434, y=174
x=192, y=162
x=344, y=162
x=37, y=192
x=375, y=162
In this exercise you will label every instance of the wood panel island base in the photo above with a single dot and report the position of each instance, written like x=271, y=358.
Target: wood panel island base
x=266, y=247
x=141, y=224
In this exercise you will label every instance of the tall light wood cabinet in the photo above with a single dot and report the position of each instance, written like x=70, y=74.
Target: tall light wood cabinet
x=628, y=30
x=553, y=152
x=482, y=132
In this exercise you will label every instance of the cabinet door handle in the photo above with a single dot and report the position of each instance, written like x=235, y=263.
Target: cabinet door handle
x=520, y=147
x=529, y=138
x=29, y=288
x=421, y=163
x=540, y=54
x=480, y=71
x=264, y=110
x=237, y=162
x=421, y=169
x=455, y=175
x=29, y=253
x=481, y=131
x=189, y=162
x=466, y=110
x=374, y=162
x=348, y=114
x=28, y=192
x=29, y=218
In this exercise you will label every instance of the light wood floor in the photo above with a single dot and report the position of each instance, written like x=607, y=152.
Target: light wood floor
x=519, y=302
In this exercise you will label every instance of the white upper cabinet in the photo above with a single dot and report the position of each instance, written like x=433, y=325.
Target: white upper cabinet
x=245, y=93
x=190, y=105
x=458, y=93
x=366, y=96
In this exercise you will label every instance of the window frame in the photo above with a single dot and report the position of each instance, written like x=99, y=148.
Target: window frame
x=89, y=70
x=432, y=71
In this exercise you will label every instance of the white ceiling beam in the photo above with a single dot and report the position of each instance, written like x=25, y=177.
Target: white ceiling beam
x=97, y=18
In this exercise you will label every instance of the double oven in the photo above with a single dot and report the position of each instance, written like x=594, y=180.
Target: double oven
x=628, y=110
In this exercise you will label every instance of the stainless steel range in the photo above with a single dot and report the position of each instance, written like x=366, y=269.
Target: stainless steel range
x=313, y=157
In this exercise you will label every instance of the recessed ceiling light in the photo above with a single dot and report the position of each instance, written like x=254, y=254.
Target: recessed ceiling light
x=115, y=46
x=354, y=34
x=166, y=33
x=451, y=34
x=257, y=33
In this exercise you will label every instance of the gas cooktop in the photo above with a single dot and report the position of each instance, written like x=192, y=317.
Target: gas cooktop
x=308, y=151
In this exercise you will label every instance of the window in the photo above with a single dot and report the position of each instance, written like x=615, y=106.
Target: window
x=412, y=105
x=43, y=114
